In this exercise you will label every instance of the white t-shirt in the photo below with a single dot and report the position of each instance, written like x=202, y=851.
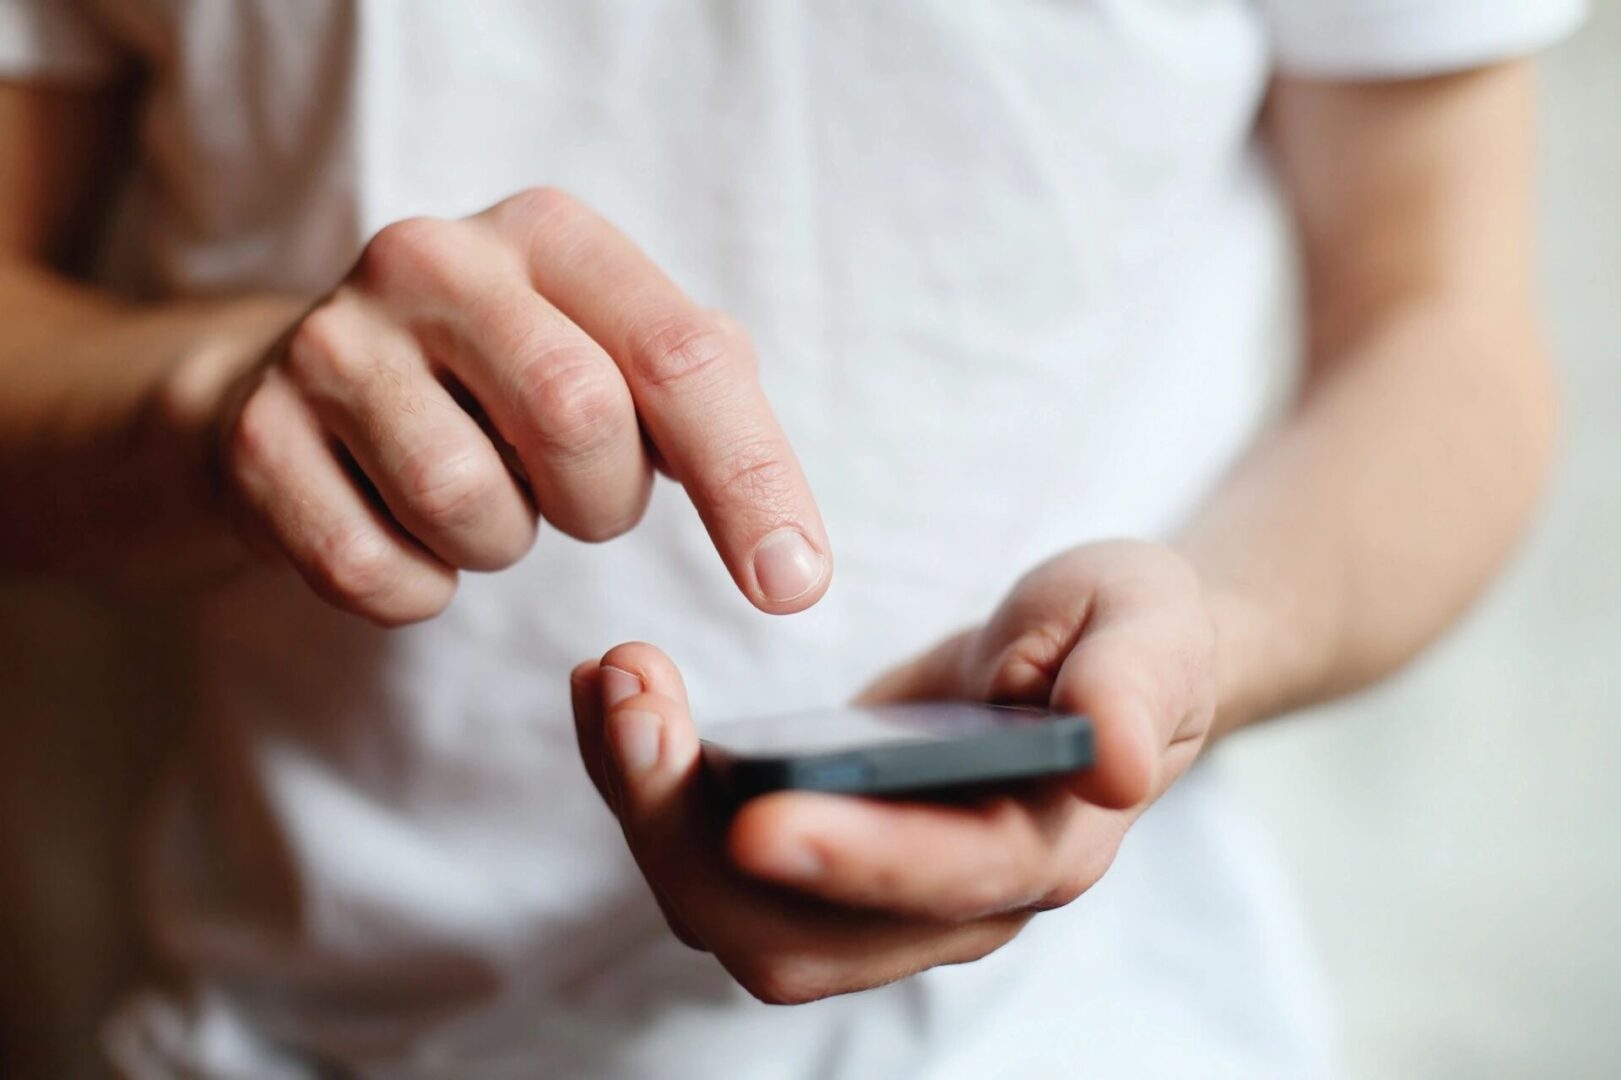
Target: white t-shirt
x=1018, y=278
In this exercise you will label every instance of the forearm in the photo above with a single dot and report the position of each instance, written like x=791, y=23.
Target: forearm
x=106, y=410
x=1356, y=532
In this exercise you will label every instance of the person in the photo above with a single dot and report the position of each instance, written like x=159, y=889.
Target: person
x=316, y=315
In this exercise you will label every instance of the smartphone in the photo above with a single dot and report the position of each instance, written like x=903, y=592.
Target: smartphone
x=886, y=749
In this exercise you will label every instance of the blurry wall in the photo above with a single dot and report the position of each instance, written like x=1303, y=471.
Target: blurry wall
x=1457, y=833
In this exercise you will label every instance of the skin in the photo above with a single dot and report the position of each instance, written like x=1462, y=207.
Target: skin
x=464, y=380
x=1349, y=537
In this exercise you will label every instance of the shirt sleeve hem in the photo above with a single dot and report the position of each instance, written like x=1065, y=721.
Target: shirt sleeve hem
x=1431, y=39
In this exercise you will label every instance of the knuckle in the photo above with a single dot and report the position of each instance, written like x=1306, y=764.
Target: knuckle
x=574, y=403
x=879, y=878
x=356, y=567
x=728, y=324
x=988, y=939
x=983, y=894
x=406, y=250
x=1083, y=867
x=975, y=944
x=756, y=477
x=252, y=441
x=1013, y=877
x=1066, y=890
x=1028, y=665
x=681, y=351
x=786, y=980
x=738, y=335
x=318, y=347
x=538, y=204
x=1090, y=868
x=447, y=489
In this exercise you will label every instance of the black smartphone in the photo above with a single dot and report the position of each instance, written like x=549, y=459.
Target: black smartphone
x=885, y=749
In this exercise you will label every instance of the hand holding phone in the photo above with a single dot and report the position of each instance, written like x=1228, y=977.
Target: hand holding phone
x=802, y=894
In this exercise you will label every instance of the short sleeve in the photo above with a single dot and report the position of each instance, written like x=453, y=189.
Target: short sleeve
x=55, y=39
x=1407, y=38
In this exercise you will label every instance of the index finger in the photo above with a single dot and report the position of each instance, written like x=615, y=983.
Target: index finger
x=692, y=376
x=948, y=862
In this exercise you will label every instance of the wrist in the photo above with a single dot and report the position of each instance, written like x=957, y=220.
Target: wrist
x=1268, y=660
x=212, y=350
x=219, y=345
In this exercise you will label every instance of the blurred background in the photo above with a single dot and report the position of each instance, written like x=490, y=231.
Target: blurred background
x=1456, y=835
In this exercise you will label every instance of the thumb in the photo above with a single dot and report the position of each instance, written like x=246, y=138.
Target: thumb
x=651, y=746
x=1110, y=677
x=646, y=766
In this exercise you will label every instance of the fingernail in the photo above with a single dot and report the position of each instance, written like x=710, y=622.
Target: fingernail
x=618, y=685
x=786, y=566
x=636, y=738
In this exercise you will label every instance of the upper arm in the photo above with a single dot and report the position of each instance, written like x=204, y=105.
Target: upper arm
x=1415, y=190
x=61, y=144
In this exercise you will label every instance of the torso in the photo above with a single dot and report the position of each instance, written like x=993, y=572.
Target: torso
x=1016, y=278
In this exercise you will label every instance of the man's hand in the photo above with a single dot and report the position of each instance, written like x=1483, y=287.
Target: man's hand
x=467, y=374
x=803, y=895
